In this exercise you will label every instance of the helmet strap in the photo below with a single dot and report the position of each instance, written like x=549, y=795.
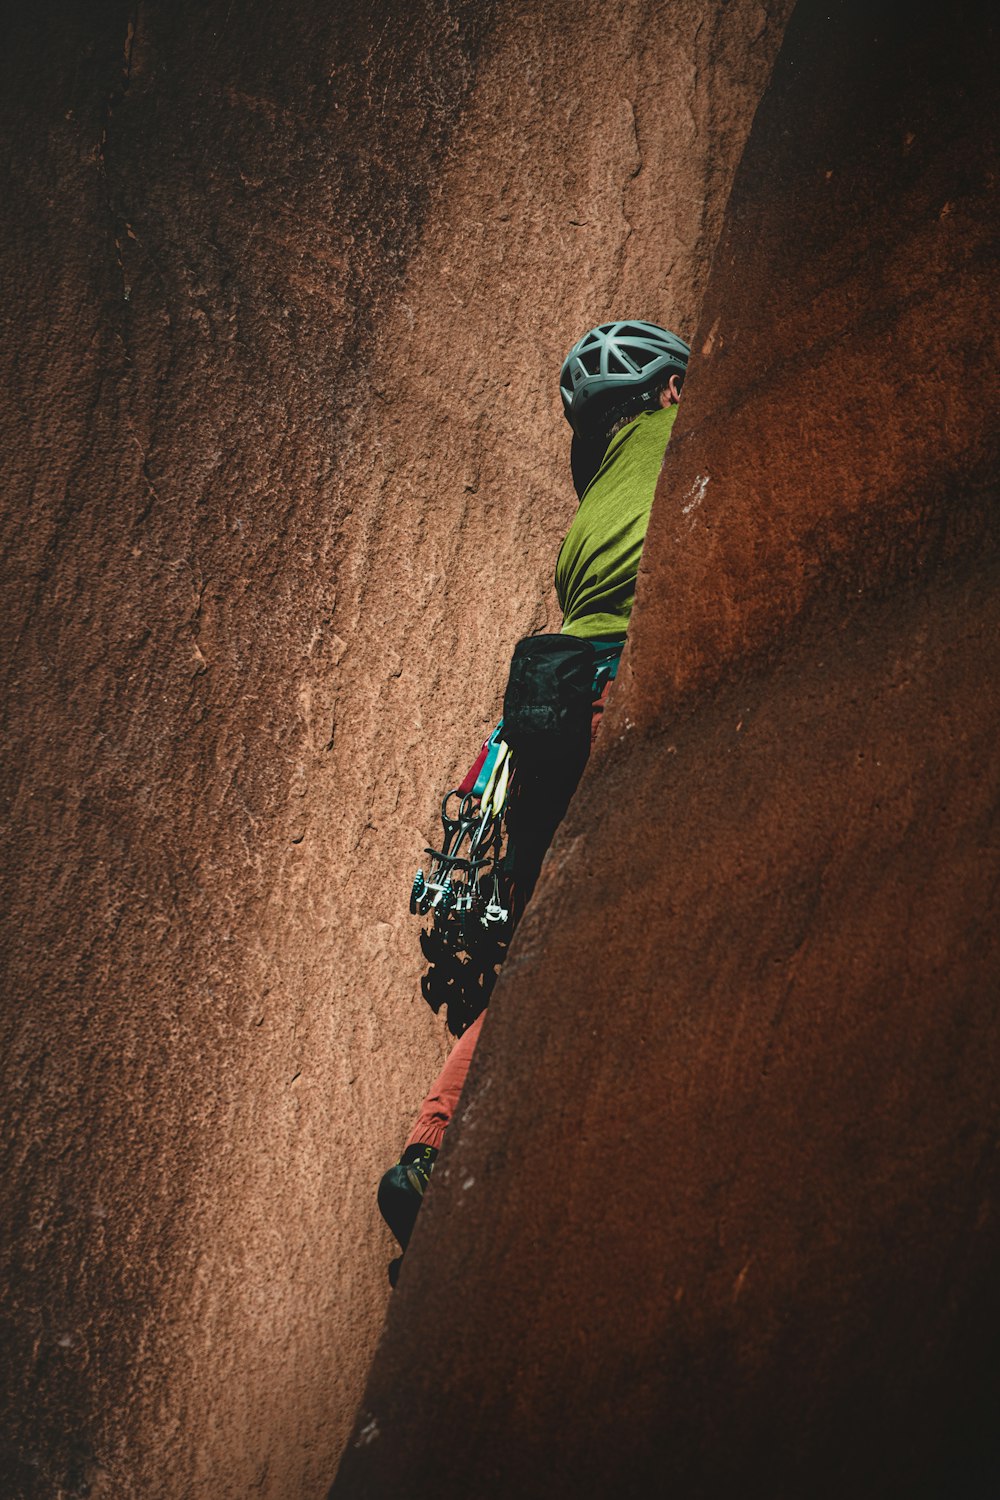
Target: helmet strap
x=638, y=401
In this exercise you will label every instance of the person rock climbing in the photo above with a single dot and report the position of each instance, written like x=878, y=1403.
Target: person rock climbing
x=620, y=385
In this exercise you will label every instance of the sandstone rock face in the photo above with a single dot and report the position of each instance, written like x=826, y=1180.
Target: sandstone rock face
x=285, y=292
x=718, y=1214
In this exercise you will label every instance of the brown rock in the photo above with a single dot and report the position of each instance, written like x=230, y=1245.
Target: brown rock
x=718, y=1215
x=285, y=289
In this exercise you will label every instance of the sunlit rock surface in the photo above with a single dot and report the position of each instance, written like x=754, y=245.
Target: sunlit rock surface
x=285, y=290
x=719, y=1214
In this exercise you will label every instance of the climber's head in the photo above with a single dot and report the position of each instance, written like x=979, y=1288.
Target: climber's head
x=616, y=371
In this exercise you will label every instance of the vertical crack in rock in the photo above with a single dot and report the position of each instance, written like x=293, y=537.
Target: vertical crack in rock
x=633, y=172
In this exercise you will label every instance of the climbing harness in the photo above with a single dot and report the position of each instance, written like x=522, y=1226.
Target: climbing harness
x=549, y=698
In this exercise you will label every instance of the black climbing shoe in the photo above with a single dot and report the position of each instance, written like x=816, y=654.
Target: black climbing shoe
x=401, y=1191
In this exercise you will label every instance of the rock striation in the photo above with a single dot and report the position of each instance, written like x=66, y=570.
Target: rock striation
x=719, y=1213
x=284, y=290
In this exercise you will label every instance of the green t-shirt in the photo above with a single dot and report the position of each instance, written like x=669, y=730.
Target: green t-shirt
x=599, y=560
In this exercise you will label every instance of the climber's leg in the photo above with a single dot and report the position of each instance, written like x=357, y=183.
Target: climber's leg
x=439, y=1106
x=401, y=1191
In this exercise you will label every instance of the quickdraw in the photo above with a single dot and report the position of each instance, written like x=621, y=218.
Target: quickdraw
x=464, y=886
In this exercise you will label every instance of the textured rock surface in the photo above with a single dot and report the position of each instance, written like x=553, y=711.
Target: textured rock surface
x=284, y=291
x=718, y=1215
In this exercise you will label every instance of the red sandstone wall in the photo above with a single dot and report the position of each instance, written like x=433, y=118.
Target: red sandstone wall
x=719, y=1214
x=285, y=289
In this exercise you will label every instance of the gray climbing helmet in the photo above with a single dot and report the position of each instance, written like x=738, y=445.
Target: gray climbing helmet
x=614, y=370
